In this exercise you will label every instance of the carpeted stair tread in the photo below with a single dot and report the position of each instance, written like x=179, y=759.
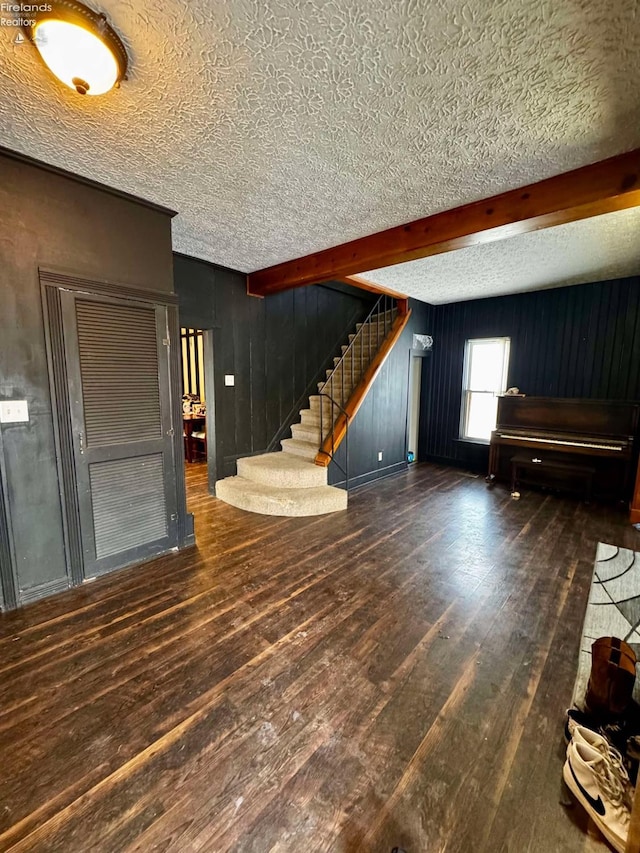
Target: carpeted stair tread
x=311, y=417
x=299, y=448
x=270, y=500
x=282, y=470
x=305, y=432
x=314, y=402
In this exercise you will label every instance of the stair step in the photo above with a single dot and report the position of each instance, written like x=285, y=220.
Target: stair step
x=270, y=500
x=378, y=320
x=311, y=417
x=337, y=395
x=314, y=403
x=350, y=367
x=337, y=375
x=299, y=448
x=301, y=432
x=336, y=384
x=282, y=470
x=347, y=359
x=356, y=351
x=364, y=339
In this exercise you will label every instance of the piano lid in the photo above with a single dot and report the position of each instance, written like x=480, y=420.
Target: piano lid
x=569, y=414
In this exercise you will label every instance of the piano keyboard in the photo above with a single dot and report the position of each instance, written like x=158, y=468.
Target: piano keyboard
x=560, y=442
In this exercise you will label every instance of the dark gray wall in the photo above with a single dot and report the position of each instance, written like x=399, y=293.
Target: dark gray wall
x=580, y=341
x=276, y=348
x=52, y=221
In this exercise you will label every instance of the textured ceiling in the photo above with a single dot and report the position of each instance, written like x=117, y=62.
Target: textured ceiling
x=596, y=249
x=281, y=127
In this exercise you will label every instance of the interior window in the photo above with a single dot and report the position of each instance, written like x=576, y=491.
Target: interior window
x=486, y=362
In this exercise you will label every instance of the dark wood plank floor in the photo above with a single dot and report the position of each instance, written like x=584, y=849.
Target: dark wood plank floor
x=393, y=674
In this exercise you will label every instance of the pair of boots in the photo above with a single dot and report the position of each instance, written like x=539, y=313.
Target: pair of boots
x=613, y=675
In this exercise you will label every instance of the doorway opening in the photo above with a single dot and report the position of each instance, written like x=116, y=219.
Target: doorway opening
x=197, y=410
x=415, y=382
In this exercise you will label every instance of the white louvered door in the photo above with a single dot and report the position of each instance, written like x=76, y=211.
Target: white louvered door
x=117, y=366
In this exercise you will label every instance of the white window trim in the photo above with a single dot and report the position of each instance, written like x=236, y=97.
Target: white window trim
x=464, y=408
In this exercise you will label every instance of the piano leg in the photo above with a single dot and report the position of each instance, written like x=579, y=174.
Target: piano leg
x=493, y=460
x=515, y=494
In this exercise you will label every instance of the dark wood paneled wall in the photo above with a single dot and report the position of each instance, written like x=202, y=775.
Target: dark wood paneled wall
x=53, y=221
x=381, y=422
x=579, y=341
x=276, y=348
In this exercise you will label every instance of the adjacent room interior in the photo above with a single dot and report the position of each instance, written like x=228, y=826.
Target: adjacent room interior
x=319, y=424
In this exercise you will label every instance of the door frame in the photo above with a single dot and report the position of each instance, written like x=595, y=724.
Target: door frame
x=52, y=283
x=8, y=576
x=210, y=396
x=414, y=402
x=210, y=393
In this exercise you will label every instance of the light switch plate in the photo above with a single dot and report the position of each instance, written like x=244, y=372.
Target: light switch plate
x=14, y=412
x=379, y=456
x=229, y=379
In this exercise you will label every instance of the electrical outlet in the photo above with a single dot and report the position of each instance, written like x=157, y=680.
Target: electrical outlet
x=14, y=412
x=379, y=456
x=229, y=379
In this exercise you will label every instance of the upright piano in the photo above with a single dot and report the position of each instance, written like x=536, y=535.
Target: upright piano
x=559, y=440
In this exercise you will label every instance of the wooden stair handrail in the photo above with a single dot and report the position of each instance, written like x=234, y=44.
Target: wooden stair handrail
x=334, y=439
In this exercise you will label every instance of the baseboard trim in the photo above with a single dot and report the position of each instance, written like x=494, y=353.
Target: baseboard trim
x=371, y=476
x=35, y=593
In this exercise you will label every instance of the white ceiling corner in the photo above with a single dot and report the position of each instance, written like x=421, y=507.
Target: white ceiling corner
x=282, y=127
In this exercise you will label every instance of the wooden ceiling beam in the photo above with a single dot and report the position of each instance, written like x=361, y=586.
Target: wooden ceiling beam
x=372, y=286
x=602, y=187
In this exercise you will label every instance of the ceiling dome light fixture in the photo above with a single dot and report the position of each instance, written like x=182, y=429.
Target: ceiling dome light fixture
x=78, y=46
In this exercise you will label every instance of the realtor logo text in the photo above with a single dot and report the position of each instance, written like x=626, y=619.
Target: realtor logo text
x=25, y=7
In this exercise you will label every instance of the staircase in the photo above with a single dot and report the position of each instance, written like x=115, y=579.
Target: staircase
x=294, y=482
